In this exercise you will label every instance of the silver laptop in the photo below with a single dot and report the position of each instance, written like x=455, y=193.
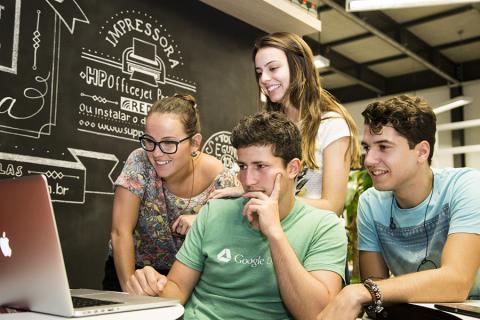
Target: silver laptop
x=32, y=270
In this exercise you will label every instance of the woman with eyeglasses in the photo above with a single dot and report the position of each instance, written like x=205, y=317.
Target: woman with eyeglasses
x=161, y=188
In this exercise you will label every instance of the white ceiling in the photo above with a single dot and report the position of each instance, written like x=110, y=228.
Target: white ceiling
x=376, y=53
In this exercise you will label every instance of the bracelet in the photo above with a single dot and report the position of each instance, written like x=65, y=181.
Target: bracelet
x=376, y=304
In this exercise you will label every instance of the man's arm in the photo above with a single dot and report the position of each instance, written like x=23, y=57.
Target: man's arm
x=373, y=266
x=305, y=293
x=452, y=281
x=178, y=284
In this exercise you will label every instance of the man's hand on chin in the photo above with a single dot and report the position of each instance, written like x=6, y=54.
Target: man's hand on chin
x=262, y=210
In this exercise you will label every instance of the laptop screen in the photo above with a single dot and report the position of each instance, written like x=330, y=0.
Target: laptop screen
x=32, y=270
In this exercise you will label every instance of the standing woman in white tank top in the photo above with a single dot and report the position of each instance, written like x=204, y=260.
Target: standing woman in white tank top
x=287, y=76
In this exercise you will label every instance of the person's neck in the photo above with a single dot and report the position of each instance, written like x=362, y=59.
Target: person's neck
x=291, y=112
x=181, y=182
x=412, y=193
x=285, y=205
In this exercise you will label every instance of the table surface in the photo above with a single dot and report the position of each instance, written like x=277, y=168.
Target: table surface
x=430, y=306
x=460, y=316
x=173, y=312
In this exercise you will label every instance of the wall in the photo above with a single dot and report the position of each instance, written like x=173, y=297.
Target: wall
x=435, y=96
x=77, y=78
x=472, y=135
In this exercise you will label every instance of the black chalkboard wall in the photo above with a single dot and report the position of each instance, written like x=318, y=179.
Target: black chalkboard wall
x=76, y=79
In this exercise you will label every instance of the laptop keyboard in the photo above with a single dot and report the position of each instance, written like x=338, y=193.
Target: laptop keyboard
x=80, y=302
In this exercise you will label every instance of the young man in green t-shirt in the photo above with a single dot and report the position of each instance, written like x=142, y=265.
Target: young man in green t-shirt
x=264, y=255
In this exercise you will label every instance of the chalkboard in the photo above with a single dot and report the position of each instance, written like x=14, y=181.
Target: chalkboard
x=77, y=78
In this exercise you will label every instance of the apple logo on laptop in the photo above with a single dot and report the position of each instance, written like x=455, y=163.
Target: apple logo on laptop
x=5, y=246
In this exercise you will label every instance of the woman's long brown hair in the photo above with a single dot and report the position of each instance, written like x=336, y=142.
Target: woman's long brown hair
x=306, y=94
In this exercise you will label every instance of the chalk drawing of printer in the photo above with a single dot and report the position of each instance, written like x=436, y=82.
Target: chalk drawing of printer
x=143, y=64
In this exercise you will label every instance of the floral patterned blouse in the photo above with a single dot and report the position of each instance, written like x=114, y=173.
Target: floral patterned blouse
x=155, y=244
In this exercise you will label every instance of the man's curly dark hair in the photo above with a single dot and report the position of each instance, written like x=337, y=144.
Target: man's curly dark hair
x=269, y=129
x=410, y=116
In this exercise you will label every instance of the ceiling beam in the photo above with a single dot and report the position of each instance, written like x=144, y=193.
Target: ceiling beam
x=323, y=8
x=340, y=64
x=339, y=42
x=407, y=25
x=395, y=85
x=383, y=60
x=352, y=93
x=401, y=39
x=414, y=81
x=401, y=84
x=458, y=43
x=436, y=16
x=471, y=70
x=439, y=47
x=441, y=70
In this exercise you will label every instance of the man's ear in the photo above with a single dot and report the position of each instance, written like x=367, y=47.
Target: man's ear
x=423, y=149
x=196, y=141
x=293, y=168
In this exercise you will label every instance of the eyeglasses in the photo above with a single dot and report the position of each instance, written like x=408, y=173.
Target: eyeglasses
x=166, y=146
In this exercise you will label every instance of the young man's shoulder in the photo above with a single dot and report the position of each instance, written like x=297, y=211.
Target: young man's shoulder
x=223, y=208
x=312, y=214
x=372, y=195
x=453, y=174
x=456, y=178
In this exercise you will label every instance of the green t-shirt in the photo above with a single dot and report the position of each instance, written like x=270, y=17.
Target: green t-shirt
x=238, y=279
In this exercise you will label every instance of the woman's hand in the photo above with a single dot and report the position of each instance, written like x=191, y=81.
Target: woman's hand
x=183, y=223
x=230, y=192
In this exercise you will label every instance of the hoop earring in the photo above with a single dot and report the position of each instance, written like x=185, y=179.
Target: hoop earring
x=194, y=154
